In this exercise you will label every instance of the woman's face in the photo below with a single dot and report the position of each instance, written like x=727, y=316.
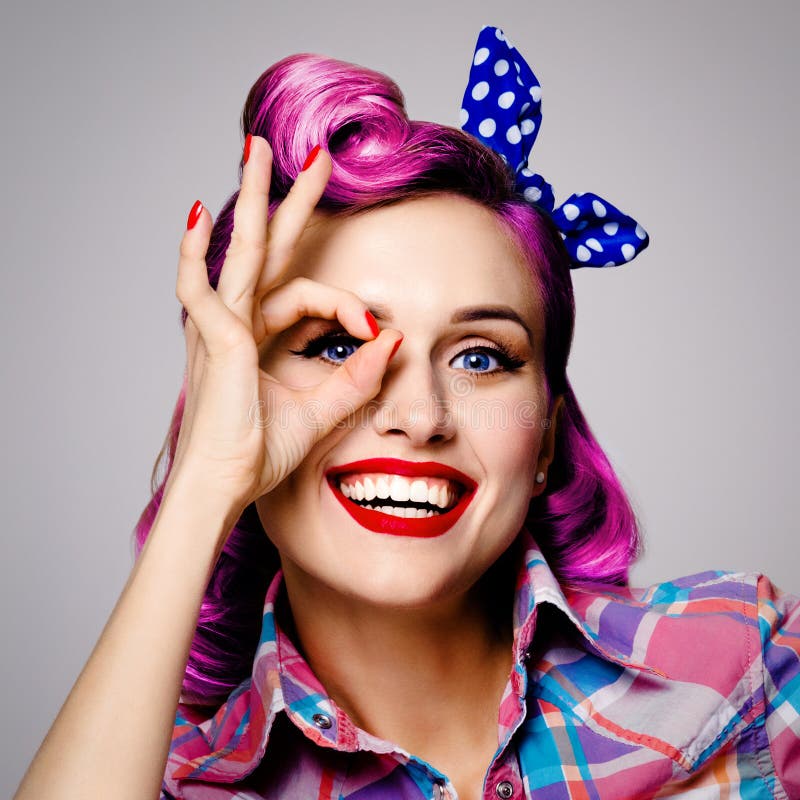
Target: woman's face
x=465, y=390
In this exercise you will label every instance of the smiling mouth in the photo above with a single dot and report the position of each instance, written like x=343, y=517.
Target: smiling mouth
x=397, y=497
x=401, y=496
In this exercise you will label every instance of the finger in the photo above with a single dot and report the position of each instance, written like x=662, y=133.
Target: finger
x=302, y=297
x=195, y=246
x=246, y=253
x=355, y=382
x=291, y=218
x=208, y=312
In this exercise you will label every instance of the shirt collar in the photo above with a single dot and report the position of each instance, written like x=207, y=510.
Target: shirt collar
x=233, y=741
x=581, y=604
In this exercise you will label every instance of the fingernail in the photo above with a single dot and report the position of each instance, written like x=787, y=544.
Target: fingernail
x=247, y=140
x=194, y=215
x=373, y=325
x=310, y=158
x=394, y=349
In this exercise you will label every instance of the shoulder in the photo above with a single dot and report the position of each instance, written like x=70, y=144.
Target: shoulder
x=719, y=651
x=714, y=614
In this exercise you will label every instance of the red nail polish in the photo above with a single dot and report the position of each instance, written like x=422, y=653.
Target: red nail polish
x=310, y=159
x=373, y=326
x=194, y=215
x=394, y=349
x=247, y=140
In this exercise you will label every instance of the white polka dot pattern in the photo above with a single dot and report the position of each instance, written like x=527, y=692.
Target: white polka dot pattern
x=481, y=56
x=487, y=127
x=505, y=100
x=571, y=211
x=513, y=135
x=480, y=90
x=507, y=119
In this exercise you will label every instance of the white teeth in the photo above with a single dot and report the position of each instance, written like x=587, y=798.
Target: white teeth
x=387, y=509
x=400, y=489
x=419, y=492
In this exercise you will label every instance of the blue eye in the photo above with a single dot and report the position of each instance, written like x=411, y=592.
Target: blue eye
x=477, y=361
x=333, y=348
x=483, y=361
x=339, y=352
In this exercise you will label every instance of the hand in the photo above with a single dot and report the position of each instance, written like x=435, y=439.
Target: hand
x=222, y=443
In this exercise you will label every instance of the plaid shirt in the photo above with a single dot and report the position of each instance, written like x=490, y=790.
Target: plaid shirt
x=689, y=688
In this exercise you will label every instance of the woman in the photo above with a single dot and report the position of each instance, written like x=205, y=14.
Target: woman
x=388, y=557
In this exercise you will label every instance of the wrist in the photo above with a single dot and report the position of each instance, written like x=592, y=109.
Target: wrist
x=208, y=509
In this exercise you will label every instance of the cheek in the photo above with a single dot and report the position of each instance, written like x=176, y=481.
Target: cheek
x=274, y=511
x=507, y=433
x=299, y=491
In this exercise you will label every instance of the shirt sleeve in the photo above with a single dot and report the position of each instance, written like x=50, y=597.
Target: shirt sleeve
x=779, y=620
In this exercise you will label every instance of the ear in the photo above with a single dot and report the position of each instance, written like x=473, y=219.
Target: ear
x=548, y=448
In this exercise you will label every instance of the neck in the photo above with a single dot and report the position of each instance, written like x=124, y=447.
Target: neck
x=404, y=674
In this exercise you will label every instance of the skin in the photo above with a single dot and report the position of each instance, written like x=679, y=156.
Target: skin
x=373, y=611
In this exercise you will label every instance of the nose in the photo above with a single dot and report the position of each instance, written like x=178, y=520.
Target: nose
x=414, y=402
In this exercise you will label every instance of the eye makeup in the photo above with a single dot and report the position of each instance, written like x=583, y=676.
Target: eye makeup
x=504, y=353
x=315, y=345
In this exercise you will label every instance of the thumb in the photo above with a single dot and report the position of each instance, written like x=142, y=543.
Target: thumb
x=356, y=381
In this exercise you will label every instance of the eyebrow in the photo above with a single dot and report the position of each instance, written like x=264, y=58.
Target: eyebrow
x=465, y=314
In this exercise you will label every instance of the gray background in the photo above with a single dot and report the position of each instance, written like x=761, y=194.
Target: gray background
x=117, y=117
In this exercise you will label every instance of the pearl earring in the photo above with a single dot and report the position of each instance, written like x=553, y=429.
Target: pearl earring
x=540, y=477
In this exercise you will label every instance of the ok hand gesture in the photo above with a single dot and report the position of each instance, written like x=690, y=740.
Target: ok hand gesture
x=222, y=443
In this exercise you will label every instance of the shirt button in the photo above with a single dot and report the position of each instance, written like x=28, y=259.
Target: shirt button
x=504, y=789
x=322, y=721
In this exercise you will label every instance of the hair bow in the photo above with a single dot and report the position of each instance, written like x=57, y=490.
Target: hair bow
x=502, y=107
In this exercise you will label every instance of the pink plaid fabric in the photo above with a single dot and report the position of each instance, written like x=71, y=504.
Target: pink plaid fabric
x=689, y=688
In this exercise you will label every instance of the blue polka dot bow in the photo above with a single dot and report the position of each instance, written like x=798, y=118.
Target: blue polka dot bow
x=502, y=107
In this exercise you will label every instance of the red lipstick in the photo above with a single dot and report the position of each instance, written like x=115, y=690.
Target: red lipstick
x=379, y=522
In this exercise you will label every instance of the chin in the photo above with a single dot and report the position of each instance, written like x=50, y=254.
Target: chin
x=398, y=587
x=415, y=579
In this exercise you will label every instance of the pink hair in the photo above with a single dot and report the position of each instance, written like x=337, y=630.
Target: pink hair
x=583, y=522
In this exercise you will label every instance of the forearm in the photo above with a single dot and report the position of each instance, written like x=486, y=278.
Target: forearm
x=111, y=737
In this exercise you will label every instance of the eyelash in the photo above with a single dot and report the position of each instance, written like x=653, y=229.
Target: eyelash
x=508, y=362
